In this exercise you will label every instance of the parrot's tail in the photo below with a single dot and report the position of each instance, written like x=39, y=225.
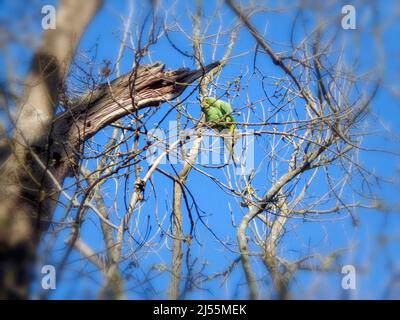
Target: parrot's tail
x=229, y=143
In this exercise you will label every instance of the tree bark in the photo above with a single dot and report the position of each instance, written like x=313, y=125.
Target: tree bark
x=45, y=145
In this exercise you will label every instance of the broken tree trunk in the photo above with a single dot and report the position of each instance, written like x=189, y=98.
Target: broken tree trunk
x=31, y=183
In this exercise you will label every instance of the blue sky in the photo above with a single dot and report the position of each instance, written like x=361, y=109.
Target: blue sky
x=102, y=39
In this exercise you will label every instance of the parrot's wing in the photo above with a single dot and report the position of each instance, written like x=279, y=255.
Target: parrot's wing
x=225, y=107
x=213, y=114
x=217, y=104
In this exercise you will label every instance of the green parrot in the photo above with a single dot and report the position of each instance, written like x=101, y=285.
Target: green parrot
x=219, y=116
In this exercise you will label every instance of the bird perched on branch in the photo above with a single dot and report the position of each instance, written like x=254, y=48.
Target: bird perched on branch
x=219, y=116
